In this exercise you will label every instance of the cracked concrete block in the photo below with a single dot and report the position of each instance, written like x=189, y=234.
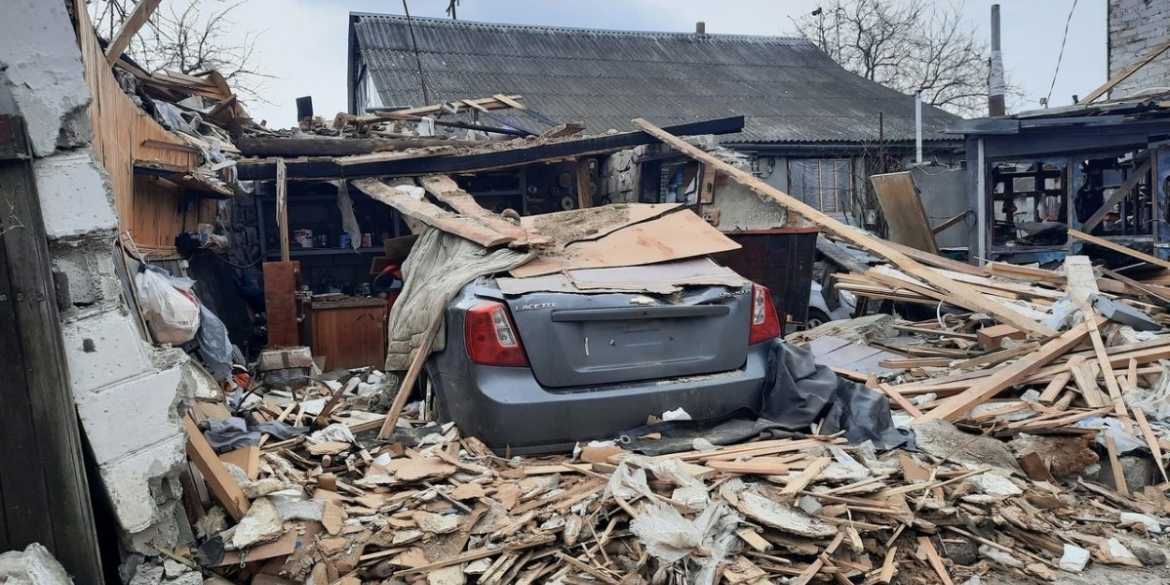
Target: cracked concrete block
x=34, y=566
x=138, y=482
x=103, y=348
x=89, y=269
x=75, y=196
x=132, y=415
x=42, y=64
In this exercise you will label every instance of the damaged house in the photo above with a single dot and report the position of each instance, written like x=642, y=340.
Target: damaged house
x=240, y=355
x=812, y=128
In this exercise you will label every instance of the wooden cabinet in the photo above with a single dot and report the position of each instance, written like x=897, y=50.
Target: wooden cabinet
x=348, y=333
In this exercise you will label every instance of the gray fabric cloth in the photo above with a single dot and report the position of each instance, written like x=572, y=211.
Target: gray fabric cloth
x=234, y=433
x=439, y=265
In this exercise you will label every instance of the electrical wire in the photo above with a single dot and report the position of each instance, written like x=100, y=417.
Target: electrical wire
x=1060, y=57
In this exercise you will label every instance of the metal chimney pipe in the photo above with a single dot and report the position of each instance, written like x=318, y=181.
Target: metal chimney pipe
x=996, y=86
x=700, y=28
x=918, y=124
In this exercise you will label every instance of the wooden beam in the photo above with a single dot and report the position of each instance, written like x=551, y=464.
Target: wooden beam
x=505, y=155
x=1078, y=235
x=282, y=208
x=936, y=230
x=463, y=226
x=130, y=28
x=44, y=496
x=962, y=294
x=1119, y=194
x=225, y=488
x=1124, y=74
x=584, y=195
x=413, y=371
x=979, y=392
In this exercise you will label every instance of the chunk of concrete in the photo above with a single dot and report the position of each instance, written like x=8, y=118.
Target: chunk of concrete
x=1074, y=559
x=942, y=439
x=132, y=415
x=75, y=193
x=35, y=565
x=42, y=64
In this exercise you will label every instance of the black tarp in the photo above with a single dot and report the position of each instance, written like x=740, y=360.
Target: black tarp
x=797, y=393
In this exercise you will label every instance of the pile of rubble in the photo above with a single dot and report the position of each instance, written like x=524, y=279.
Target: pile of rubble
x=339, y=505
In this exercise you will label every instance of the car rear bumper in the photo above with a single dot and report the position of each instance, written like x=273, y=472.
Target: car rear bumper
x=508, y=409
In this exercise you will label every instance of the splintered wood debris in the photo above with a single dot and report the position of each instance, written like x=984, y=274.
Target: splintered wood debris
x=430, y=506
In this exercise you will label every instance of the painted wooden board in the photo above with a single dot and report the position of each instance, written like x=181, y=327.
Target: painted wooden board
x=903, y=209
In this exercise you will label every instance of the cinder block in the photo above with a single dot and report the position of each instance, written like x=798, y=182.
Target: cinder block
x=133, y=482
x=75, y=195
x=103, y=348
x=89, y=268
x=43, y=66
x=132, y=415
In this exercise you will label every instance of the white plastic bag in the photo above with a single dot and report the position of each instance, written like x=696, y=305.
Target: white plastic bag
x=169, y=306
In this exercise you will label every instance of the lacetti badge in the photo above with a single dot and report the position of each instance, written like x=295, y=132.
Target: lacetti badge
x=534, y=306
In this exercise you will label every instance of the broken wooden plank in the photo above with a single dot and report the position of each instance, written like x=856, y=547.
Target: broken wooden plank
x=226, y=490
x=1124, y=74
x=1115, y=466
x=446, y=190
x=130, y=27
x=806, y=477
x=962, y=294
x=955, y=406
x=1078, y=235
x=926, y=549
x=461, y=225
x=992, y=337
x=900, y=400
x=475, y=555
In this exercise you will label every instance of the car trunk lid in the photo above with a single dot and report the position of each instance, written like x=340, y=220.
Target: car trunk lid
x=591, y=339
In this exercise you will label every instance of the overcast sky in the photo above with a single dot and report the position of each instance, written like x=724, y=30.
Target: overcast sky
x=303, y=43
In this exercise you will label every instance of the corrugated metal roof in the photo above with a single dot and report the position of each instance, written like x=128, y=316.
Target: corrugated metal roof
x=787, y=88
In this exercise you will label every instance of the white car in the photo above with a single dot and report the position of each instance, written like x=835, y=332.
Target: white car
x=818, y=309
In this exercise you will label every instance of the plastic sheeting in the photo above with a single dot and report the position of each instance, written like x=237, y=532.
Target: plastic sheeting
x=797, y=393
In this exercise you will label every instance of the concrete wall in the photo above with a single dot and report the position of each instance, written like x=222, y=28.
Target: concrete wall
x=1135, y=27
x=129, y=395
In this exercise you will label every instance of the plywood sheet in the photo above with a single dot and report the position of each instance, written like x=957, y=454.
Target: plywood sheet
x=664, y=278
x=904, y=212
x=674, y=236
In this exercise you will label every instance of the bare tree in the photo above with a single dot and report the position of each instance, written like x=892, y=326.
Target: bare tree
x=907, y=45
x=189, y=37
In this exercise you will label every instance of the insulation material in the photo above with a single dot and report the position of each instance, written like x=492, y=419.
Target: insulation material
x=439, y=265
x=348, y=219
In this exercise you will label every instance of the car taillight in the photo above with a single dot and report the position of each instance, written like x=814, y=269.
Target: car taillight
x=765, y=323
x=491, y=338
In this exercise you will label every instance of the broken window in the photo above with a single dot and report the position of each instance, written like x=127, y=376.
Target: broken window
x=824, y=183
x=1029, y=205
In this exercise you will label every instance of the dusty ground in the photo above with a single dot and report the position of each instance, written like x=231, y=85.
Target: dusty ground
x=1095, y=574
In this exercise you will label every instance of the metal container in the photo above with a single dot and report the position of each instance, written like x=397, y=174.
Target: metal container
x=780, y=259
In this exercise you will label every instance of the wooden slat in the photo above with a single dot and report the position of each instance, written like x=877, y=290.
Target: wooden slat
x=954, y=407
x=1118, y=194
x=225, y=488
x=1124, y=74
x=133, y=24
x=963, y=295
x=460, y=225
x=584, y=181
x=282, y=208
x=1118, y=248
x=446, y=190
x=412, y=373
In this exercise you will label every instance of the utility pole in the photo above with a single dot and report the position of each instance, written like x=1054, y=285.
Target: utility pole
x=44, y=495
x=996, y=86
